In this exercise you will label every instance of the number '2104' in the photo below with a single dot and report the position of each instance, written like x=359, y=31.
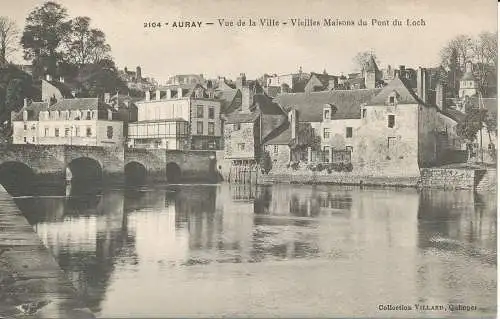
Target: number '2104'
x=152, y=24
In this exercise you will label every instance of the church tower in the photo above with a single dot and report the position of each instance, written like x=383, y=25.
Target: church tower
x=468, y=83
x=372, y=74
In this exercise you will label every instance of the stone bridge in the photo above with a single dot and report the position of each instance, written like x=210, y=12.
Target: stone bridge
x=19, y=163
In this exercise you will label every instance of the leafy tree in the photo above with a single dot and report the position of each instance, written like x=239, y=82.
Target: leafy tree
x=9, y=34
x=486, y=55
x=45, y=28
x=97, y=79
x=362, y=58
x=470, y=126
x=17, y=90
x=85, y=45
x=458, y=51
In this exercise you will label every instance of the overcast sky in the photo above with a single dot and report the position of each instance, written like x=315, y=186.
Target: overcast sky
x=213, y=50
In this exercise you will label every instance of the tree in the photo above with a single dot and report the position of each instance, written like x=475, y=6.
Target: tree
x=99, y=78
x=266, y=162
x=362, y=58
x=470, y=126
x=485, y=58
x=85, y=45
x=9, y=34
x=17, y=90
x=458, y=51
x=45, y=28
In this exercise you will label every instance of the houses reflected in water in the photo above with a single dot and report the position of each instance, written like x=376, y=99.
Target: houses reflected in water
x=141, y=237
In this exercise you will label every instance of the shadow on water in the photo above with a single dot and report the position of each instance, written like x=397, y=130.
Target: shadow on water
x=18, y=179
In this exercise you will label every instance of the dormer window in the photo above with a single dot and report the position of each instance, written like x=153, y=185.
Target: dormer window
x=327, y=114
x=392, y=99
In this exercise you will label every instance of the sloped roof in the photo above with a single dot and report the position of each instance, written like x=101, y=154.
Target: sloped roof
x=398, y=85
x=266, y=105
x=226, y=97
x=310, y=105
x=453, y=114
x=281, y=136
x=323, y=78
x=468, y=76
x=34, y=108
x=76, y=104
x=242, y=117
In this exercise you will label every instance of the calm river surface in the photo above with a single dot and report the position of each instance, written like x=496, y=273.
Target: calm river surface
x=273, y=251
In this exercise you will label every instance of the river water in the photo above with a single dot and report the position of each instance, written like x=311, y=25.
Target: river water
x=274, y=251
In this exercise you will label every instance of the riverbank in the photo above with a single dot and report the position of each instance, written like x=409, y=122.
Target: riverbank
x=435, y=177
x=32, y=285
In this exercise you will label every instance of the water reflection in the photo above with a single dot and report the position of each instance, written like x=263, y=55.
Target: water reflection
x=302, y=245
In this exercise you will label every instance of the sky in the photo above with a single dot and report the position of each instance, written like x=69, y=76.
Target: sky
x=228, y=51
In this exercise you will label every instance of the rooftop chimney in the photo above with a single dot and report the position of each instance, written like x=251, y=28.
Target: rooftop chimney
x=148, y=95
x=246, y=98
x=61, y=79
x=441, y=96
x=169, y=94
x=158, y=94
x=293, y=119
x=25, y=102
x=422, y=84
x=179, y=93
x=48, y=77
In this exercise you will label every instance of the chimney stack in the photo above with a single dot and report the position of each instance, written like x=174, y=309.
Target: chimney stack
x=148, y=95
x=158, y=95
x=169, y=94
x=179, y=93
x=246, y=98
x=25, y=102
x=48, y=77
x=441, y=96
x=293, y=119
x=422, y=84
x=61, y=79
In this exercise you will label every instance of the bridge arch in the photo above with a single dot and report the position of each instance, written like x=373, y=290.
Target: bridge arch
x=135, y=173
x=173, y=172
x=17, y=178
x=84, y=169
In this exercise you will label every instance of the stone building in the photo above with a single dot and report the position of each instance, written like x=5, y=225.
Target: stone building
x=82, y=121
x=180, y=117
x=468, y=83
x=135, y=80
x=321, y=82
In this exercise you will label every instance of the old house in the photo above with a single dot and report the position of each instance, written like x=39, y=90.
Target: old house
x=80, y=121
x=246, y=129
x=400, y=130
x=321, y=82
x=179, y=117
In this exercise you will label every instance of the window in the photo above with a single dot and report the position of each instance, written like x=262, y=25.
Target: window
x=241, y=146
x=33, y=127
x=211, y=113
x=275, y=149
x=199, y=111
x=33, y=139
x=199, y=128
x=364, y=113
x=77, y=131
x=391, y=120
x=237, y=126
x=391, y=100
x=25, y=127
x=56, y=132
x=348, y=132
x=348, y=148
x=211, y=128
x=327, y=114
x=89, y=131
x=109, y=132
x=25, y=139
x=326, y=133
x=88, y=116
x=391, y=143
x=66, y=131
x=46, y=131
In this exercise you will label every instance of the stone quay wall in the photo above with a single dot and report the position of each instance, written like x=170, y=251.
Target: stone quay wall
x=32, y=285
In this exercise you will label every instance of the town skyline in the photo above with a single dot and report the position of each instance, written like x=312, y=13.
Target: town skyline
x=216, y=51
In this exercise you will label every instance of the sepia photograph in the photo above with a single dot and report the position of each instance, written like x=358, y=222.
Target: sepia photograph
x=248, y=159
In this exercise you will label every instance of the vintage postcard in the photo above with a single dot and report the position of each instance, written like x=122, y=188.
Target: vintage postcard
x=262, y=159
